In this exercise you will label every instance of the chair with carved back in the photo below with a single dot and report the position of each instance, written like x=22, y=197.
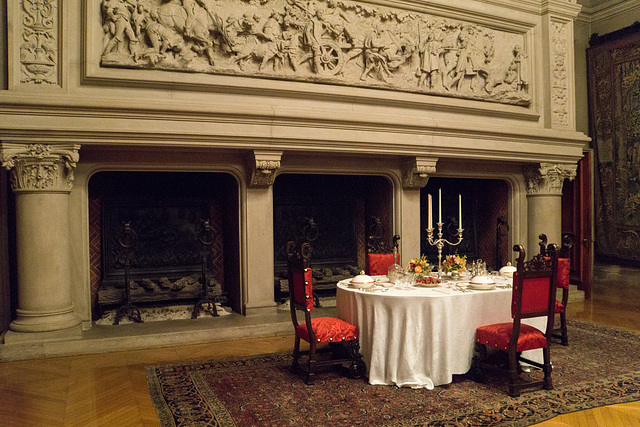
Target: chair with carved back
x=564, y=265
x=533, y=295
x=341, y=337
x=379, y=258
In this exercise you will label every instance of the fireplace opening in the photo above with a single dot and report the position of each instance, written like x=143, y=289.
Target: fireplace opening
x=340, y=216
x=184, y=226
x=485, y=219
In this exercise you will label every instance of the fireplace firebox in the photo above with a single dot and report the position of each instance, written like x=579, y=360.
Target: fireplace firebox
x=166, y=211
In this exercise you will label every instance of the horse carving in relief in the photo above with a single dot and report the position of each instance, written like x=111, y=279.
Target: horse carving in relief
x=200, y=25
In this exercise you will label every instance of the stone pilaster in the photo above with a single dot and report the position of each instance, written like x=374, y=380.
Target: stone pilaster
x=415, y=175
x=262, y=168
x=544, y=197
x=558, y=60
x=41, y=177
x=34, y=43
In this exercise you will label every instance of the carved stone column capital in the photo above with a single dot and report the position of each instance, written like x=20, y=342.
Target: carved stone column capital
x=263, y=166
x=548, y=178
x=416, y=170
x=40, y=167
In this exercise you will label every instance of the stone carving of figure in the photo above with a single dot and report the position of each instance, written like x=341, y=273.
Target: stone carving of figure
x=335, y=25
x=312, y=38
x=249, y=24
x=513, y=79
x=160, y=37
x=470, y=60
x=189, y=6
x=520, y=73
x=119, y=16
x=272, y=28
x=374, y=59
x=290, y=48
x=430, y=52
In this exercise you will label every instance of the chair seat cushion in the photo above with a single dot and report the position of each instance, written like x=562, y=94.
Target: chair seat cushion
x=559, y=307
x=328, y=329
x=499, y=334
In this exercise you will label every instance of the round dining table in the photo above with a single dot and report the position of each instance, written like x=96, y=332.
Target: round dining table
x=421, y=336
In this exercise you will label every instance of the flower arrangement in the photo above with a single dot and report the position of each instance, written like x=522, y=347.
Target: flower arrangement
x=421, y=267
x=454, y=263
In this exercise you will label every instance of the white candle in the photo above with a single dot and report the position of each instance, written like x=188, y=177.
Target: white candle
x=439, y=205
x=459, y=210
x=430, y=214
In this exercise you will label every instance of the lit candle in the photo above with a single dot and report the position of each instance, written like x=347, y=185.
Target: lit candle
x=439, y=205
x=459, y=210
x=430, y=214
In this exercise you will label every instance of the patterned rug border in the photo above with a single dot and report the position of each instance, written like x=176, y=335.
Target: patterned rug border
x=505, y=412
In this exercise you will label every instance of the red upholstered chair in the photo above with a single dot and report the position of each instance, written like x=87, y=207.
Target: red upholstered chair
x=341, y=336
x=378, y=264
x=379, y=258
x=564, y=265
x=534, y=287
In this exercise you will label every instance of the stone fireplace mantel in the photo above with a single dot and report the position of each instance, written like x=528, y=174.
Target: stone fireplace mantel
x=253, y=126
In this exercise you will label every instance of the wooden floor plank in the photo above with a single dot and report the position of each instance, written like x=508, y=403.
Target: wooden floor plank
x=111, y=389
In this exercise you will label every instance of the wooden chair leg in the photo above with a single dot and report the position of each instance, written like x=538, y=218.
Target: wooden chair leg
x=311, y=367
x=357, y=369
x=547, y=381
x=296, y=355
x=563, y=328
x=480, y=356
x=514, y=375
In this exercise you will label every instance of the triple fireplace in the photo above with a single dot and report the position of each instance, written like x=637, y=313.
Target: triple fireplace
x=342, y=217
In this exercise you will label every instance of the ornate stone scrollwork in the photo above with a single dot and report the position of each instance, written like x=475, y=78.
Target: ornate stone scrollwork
x=415, y=172
x=343, y=42
x=40, y=167
x=548, y=178
x=39, y=49
x=559, y=88
x=263, y=166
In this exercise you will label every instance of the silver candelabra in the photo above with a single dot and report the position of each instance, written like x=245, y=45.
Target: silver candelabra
x=439, y=243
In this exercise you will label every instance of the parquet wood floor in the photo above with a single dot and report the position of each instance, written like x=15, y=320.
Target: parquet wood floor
x=111, y=390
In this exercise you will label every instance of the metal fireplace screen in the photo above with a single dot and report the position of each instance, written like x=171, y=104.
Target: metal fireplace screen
x=167, y=254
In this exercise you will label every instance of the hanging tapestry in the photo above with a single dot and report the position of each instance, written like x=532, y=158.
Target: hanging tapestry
x=614, y=95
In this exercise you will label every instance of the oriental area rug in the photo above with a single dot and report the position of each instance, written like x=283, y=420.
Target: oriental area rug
x=601, y=366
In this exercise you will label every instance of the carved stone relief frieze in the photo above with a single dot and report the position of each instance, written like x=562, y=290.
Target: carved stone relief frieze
x=327, y=41
x=548, y=178
x=40, y=167
x=559, y=83
x=39, y=42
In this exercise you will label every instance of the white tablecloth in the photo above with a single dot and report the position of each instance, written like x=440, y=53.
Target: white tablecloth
x=421, y=337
